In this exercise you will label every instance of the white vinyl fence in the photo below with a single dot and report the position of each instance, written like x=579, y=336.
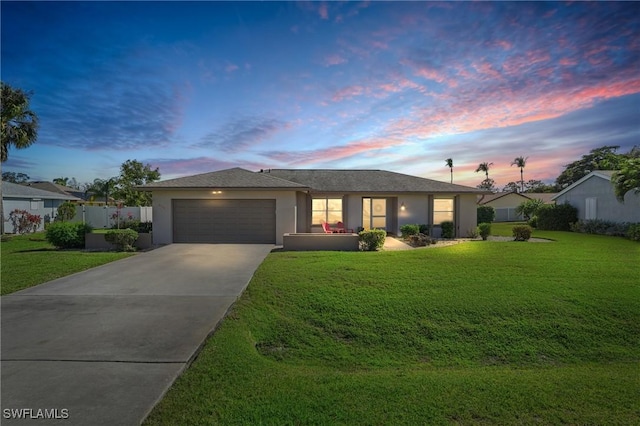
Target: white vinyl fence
x=507, y=214
x=106, y=217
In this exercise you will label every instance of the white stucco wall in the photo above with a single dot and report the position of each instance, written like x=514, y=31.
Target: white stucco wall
x=466, y=214
x=162, y=209
x=607, y=206
x=46, y=209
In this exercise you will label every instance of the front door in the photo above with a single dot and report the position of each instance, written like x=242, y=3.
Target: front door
x=374, y=213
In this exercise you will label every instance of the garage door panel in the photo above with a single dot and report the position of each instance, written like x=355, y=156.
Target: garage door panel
x=224, y=221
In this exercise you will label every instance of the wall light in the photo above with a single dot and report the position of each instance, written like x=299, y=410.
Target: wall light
x=216, y=192
x=402, y=207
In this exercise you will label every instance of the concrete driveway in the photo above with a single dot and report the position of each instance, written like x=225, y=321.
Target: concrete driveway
x=101, y=347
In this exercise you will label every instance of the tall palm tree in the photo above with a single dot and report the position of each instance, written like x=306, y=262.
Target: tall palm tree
x=19, y=123
x=520, y=162
x=484, y=167
x=450, y=164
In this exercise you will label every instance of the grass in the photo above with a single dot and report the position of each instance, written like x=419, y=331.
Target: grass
x=480, y=332
x=29, y=260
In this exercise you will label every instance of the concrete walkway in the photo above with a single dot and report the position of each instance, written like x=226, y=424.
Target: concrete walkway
x=101, y=347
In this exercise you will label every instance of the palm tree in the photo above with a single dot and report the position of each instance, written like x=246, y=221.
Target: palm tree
x=19, y=123
x=484, y=167
x=450, y=164
x=520, y=162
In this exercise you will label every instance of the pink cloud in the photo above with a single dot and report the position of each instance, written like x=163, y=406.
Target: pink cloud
x=230, y=67
x=348, y=92
x=434, y=75
x=567, y=62
x=335, y=59
x=323, y=11
x=334, y=153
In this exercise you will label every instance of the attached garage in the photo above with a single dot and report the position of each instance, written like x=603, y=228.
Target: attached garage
x=224, y=221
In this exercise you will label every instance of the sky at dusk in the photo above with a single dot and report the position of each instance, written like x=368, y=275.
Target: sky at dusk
x=194, y=87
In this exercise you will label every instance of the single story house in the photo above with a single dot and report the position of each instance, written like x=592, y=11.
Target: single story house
x=505, y=203
x=594, y=197
x=240, y=206
x=82, y=196
x=34, y=200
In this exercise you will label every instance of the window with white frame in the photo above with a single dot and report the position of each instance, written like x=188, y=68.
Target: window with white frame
x=442, y=210
x=326, y=210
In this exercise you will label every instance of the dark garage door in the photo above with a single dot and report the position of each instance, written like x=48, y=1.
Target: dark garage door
x=224, y=221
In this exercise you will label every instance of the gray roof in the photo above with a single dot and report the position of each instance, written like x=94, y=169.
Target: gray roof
x=369, y=181
x=235, y=178
x=54, y=187
x=13, y=190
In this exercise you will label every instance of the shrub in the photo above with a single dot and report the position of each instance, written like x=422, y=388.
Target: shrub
x=425, y=229
x=372, y=239
x=558, y=217
x=601, y=227
x=533, y=222
x=66, y=234
x=408, y=230
x=473, y=233
x=66, y=211
x=420, y=240
x=143, y=227
x=486, y=214
x=522, y=232
x=122, y=238
x=447, y=229
x=24, y=222
x=529, y=208
x=633, y=232
x=485, y=230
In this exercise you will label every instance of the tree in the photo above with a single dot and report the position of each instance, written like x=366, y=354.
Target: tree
x=510, y=187
x=627, y=178
x=604, y=158
x=101, y=188
x=529, y=208
x=19, y=123
x=488, y=185
x=133, y=173
x=538, y=186
x=520, y=162
x=14, y=177
x=61, y=181
x=484, y=167
x=450, y=165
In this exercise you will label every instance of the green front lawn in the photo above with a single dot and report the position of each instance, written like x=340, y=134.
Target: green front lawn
x=28, y=260
x=479, y=332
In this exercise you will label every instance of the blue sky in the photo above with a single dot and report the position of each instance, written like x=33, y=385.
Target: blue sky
x=193, y=87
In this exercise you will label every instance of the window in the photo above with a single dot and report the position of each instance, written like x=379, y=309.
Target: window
x=35, y=204
x=326, y=210
x=590, y=212
x=374, y=213
x=442, y=210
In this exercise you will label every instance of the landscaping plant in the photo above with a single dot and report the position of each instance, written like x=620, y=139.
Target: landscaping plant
x=408, y=230
x=372, y=239
x=556, y=217
x=66, y=211
x=522, y=232
x=486, y=214
x=447, y=229
x=24, y=222
x=67, y=235
x=484, y=230
x=122, y=238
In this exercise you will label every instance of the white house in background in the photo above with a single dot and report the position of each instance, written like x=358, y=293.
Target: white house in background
x=35, y=201
x=594, y=197
x=505, y=203
x=241, y=206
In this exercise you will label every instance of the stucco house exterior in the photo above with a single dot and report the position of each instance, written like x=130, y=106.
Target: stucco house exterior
x=505, y=203
x=237, y=205
x=594, y=197
x=35, y=201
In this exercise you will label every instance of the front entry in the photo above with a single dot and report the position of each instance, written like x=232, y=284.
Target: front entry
x=374, y=213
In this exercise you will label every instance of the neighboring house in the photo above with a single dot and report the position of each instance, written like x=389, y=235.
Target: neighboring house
x=505, y=203
x=238, y=205
x=35, y=201
x=594, y=197
x=82, y=196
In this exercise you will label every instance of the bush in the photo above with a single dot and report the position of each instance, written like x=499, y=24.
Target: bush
x=533, y=222
x=529, y=208
x=372, y=239
x=425, y=229
x=486, y=214
x=143, y=227
x=408, y=230
x=600, y=227
x=558, y=217
x=473, y=233
x=24, y=222
x=421, y=240
x=485, y=230
x=633, y=232
x=447, y=229
x=522, y=232
x=66, y=234
x=122, y=238
x=66, y=211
